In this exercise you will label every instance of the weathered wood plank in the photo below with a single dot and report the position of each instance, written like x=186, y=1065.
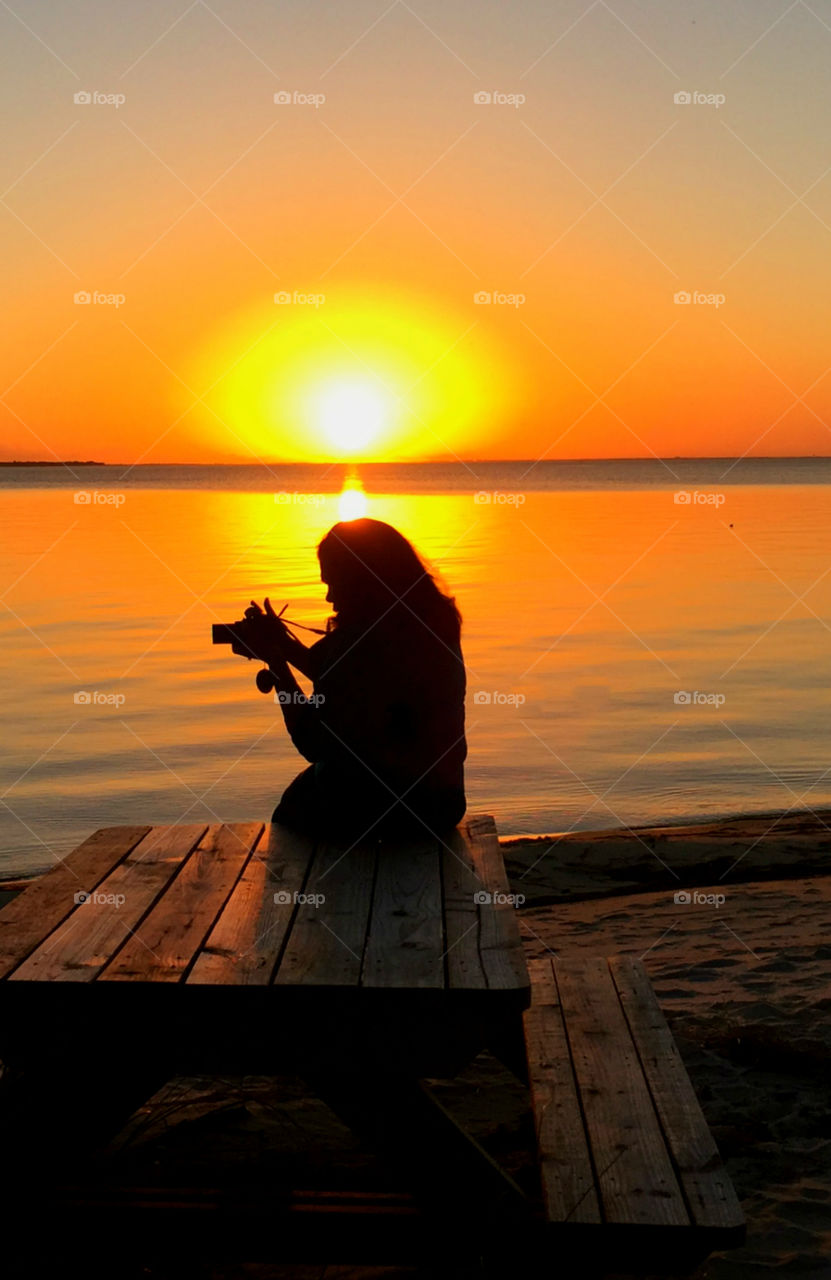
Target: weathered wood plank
x=47, y=902
x=461, y=883
x=480, y=833
x=500, y=942
x=405, y=940
x=326, y=942
x=245, y=943
x=80, y=947
x=164, y=945
x=566, y=1170
x=710, y=1194
x=635, y=1177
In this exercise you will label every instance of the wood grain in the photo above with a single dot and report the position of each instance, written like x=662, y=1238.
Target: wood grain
x=168, y=938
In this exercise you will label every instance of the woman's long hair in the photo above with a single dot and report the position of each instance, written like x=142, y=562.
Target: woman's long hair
x=374, y=570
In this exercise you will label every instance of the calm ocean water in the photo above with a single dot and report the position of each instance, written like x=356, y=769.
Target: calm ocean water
x=631, y=657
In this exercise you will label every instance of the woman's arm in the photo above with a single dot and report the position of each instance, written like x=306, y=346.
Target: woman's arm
x=289, y=649
x=299, y=712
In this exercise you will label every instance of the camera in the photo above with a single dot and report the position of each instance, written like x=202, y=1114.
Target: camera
x=233, y=633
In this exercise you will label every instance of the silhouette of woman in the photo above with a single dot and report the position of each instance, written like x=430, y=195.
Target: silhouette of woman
x=384, y=731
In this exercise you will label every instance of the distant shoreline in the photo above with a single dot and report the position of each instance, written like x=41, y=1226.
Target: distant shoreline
x=70, y=462
x=414, y=462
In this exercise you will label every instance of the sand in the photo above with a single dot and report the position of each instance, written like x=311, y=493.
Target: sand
x=578, y=865
x=745, y=988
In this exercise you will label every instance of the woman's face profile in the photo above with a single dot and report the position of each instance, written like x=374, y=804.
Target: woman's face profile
x=330, y=594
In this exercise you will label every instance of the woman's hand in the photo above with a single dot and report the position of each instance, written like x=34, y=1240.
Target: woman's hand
x=267, y=638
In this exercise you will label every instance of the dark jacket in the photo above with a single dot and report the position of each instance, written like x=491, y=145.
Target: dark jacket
x=386, y=730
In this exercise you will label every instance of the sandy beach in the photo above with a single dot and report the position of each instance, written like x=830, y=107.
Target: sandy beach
x=741, y=971
x=744, y=985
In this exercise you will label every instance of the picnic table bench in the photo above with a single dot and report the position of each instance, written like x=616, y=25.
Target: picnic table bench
x=246, y=948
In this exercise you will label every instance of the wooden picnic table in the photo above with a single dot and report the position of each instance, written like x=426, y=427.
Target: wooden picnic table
x=245, y=948
x=154, y=952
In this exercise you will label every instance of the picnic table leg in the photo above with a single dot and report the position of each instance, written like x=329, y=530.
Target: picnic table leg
x=402, y=1118
x=508, y=1046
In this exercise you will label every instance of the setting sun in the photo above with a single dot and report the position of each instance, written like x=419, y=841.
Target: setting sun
x=352, y=415
x=361, y=375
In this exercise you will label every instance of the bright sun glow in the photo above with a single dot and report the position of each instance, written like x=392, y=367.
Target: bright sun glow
x=369, y=376
x=352, y=415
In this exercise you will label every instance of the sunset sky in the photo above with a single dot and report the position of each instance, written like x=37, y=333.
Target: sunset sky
x=298, y=279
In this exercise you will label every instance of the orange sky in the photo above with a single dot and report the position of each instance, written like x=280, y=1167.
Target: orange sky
x=581, y=211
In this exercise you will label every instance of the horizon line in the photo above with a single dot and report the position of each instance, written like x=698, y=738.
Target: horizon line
x=415, y=462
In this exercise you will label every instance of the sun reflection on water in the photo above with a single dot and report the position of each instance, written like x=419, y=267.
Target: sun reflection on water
x=352, y=501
